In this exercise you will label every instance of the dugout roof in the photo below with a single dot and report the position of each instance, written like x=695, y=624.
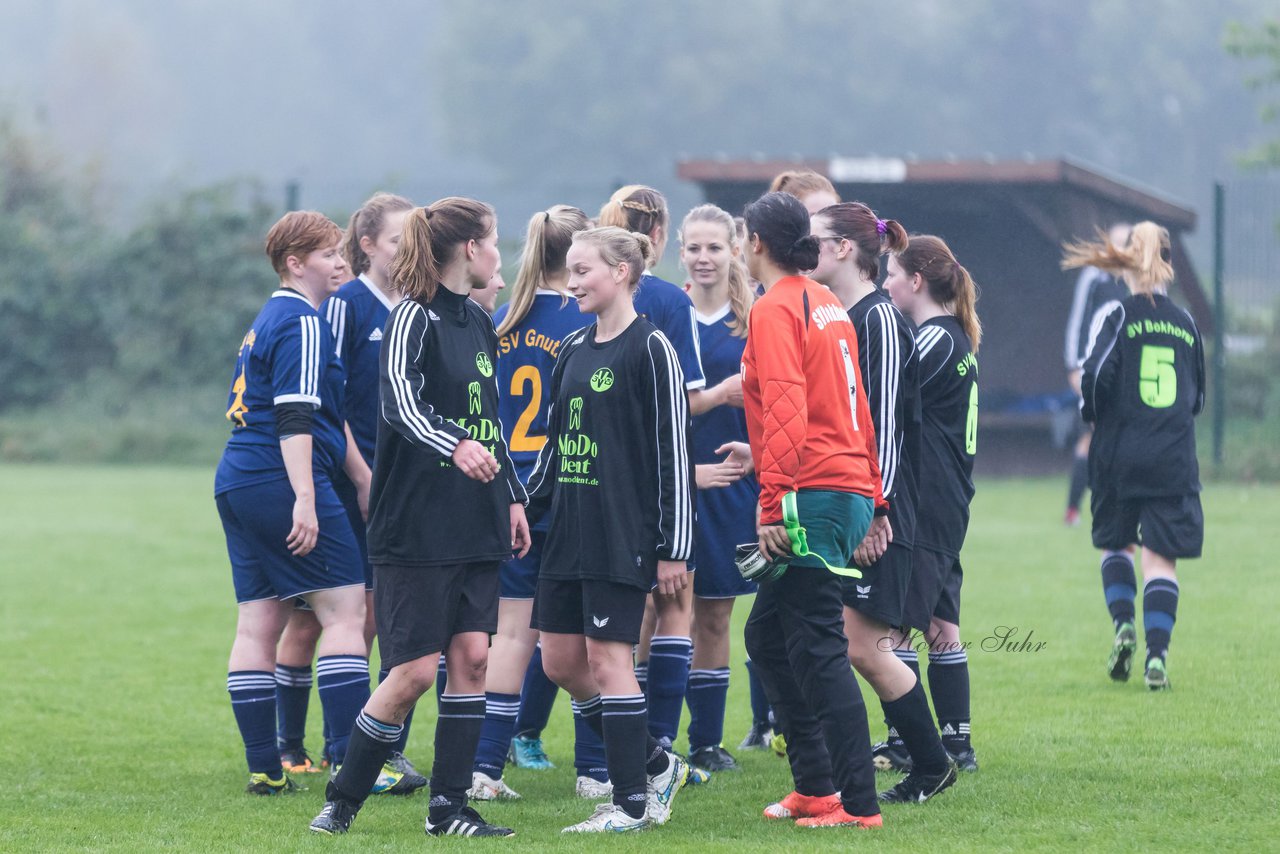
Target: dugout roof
x=1006, y=221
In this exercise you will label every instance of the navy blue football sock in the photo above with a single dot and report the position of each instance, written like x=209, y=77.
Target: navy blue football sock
x=343, y=681
x=759, y=700
x=253, y=699
x=708, y=690
x=293, y=692
x=369, y=745
x=1119, y=586
x=1079, y=482
x=642, y=676
x=500, y=712
x=949, y=685
x=625, y=728
x=668, y=678
x=403, y=740
x=442, y=678
x=1159, y=611
x=457, y=736
x=588, y=747
x=537, y=696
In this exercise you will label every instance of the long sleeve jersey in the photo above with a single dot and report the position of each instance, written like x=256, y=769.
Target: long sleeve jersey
x=1143, y=385
x=437, y=387
x=807, y=413
x=615, y=472
x=891, y=377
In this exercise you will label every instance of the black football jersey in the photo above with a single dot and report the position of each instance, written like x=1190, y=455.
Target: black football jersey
x=1143, y=385
x=891, y=376
x=615, y=474
x=1095, y=289
x=438, y=387
x=948, y=433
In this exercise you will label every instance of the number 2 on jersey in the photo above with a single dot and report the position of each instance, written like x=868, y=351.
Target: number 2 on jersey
x=520, y=438
x=1157, y=380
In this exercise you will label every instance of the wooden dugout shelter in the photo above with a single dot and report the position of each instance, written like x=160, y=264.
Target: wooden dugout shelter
x=1006, y=222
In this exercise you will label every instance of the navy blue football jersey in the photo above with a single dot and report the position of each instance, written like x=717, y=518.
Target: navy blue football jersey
x=669, y=308
x=357, y=314
x=526, y=357
x=726, y=515
x=286, y=357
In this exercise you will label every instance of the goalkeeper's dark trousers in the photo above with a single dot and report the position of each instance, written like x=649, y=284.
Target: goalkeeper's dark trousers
x=795, y=637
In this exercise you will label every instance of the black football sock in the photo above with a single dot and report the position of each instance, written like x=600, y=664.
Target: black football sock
x=1119, y=586
x=910, y=716
x=949, y=685
x=1159, y=611
x=457, y=737
x=367, y=750
x=625, y=722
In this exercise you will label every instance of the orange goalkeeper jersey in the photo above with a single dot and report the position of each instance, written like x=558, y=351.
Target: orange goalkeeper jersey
x=807, y=414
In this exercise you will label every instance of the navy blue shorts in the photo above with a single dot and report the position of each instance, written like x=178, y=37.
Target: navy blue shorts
x=257, y=520
x=518, y=576
x=346, y=491
x=717, y=577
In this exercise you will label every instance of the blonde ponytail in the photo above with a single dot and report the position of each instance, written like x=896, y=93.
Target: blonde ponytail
x=545, y=245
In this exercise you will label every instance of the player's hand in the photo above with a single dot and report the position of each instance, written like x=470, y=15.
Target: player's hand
x=673, y=577
x=475, y=461
x=716, y=475
x=520, y=538
x=731, y=391
x=774, y=542
x=739, y=452
x=306, y=528
x=874, y=544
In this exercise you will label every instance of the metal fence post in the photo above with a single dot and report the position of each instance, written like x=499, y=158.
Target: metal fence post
x=1219, y=324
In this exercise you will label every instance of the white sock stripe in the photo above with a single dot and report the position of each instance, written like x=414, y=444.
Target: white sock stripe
x=621, y=698
x=1160, y=584
x=330, y=664
x=257, y=682
x=671, y=640
x=461, y=698
x=948, y=657
x=294, y=680
x=907, y=655
x=377, y=731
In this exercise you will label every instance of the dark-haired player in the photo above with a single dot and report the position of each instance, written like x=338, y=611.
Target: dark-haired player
x=930, y=286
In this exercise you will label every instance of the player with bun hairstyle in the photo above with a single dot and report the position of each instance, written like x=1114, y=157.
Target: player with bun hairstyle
x=445, y=508
x=815, y=455
x=287, y=533
x=814, y=191
x=662, y=659
x=1143, y=385
x=614, y=475
x=851, y=240
x=929, y=285
x=530, y=328
x=722, y=296
x=356, y=315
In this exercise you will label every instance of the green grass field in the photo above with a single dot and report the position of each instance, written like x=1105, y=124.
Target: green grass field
x=116, y=732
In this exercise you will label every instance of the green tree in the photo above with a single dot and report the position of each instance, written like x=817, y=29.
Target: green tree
x=1253, y=44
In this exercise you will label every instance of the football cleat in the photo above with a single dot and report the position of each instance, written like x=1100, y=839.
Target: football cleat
x=664, y=787
x=466, y=822
x=891, y=756
x=296, y=761
x=335, y=818
x=261, y=784
x=712, y=759
x=608, y=818
x=758, y=737
x=918, y=787
x=591, y=788
x=1072, y=517
x=965, y=759
x=485, y=788
x=528, y=753
x=1157, y=677
x=392, y=781
x=1122, y=649
x=796, y=805
x=401, y=763
x=840, y=818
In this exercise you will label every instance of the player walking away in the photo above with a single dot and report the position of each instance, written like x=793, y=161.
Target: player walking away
x=813, y=444
x=287, y=534
x=814, y=191
x=445, y=508
x=662, y=659
x=356, y=315
x=614, y=474
x=929, y=286
x=530, y=329
x=722, y=297
x=851, y=239
x=1143, y=385
x=1094, y=289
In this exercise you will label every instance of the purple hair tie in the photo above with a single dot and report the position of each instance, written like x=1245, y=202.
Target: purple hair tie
x=881, y=227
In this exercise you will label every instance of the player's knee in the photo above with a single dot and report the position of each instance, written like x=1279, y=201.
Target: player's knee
x=417, y=676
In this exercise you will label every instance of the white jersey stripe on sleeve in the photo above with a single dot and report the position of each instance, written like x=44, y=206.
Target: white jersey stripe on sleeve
x=405, y=397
